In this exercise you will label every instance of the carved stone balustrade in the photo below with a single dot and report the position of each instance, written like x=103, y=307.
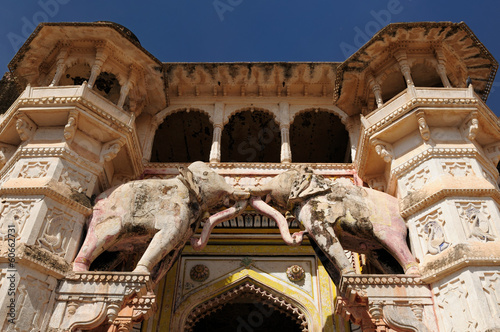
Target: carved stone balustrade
x=386, y=303
x=87, y=300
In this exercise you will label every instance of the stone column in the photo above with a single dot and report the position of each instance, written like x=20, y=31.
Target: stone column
x=405, y=69
x=286, y=152
x=100, y=58
x=217, y=134
x=441, y=67
x=60, y=66
x=377, y=90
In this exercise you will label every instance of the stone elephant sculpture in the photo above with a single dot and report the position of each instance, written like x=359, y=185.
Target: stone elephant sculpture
x=158, y=215
x=336, y=216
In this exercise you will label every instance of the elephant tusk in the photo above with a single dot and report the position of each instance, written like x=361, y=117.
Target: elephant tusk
x=214, y=220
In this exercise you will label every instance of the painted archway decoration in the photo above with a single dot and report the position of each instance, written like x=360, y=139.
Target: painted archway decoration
x=248, y=288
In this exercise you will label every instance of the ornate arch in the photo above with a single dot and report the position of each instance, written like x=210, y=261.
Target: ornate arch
x=344, y=118
x=251, y=288
x=230, y=114
x=160, y=116
x=200, y=298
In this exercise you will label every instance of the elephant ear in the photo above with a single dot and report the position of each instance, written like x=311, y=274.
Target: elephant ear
x=187, y=178
x=307, y=184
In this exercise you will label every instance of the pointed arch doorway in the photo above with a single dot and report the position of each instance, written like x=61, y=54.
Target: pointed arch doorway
x=247, y=308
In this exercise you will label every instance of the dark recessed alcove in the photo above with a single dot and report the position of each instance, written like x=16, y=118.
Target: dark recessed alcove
x=318, y=137
x=183, y=137
x=251, y=136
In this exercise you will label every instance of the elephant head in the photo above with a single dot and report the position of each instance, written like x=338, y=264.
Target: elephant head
x=336, y=216
x=158, y=215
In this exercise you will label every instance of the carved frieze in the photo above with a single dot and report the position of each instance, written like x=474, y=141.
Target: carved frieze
x=476, y=220
x=454, y=307
x=431, y=234
x=457, y=168
x=15, y=213
x=77, y=180
x=490, y=282
x=34, y=169
x=57, y=231
x=84, y=300
x=32, y=301
x=417, y=179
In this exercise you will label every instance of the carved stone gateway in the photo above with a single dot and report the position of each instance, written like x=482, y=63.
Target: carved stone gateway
x=94, y=112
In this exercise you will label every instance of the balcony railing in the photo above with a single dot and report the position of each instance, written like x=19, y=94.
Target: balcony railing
x=395, y=107
x=74, y=93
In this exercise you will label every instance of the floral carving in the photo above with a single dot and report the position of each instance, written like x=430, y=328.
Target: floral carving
x=199, y=272
x=295, y=273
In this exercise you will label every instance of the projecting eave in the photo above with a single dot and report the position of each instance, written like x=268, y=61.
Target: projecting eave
x=258, y=79
x=454, y=44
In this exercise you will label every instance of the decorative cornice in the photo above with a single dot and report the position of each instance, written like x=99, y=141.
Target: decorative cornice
x=47, y=191
x=444, y=193
x=53, y=264
x=458, y=257
x=255, y=166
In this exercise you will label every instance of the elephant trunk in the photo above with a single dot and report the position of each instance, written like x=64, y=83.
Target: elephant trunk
x=258, y=204
x=259, y=191
x=214, y=220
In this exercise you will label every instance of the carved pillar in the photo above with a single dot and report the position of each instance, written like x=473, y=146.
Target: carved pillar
x=286, y=152
x=441, y=67
x=377, y=90
x=217, y=134
x=405, y=70
x=127, y=86
x=100, y=58
x=60, y=66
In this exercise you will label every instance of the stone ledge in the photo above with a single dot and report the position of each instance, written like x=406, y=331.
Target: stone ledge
x=86, y=300
x=376, y=302
x=458, y=257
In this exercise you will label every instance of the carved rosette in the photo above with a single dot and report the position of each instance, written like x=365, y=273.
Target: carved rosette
x=295, y=273
x=199, y=273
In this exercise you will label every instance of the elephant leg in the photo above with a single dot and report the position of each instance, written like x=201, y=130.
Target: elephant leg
x=162, y=243
x=99, y=238
x=397, y=246
x=328, y=242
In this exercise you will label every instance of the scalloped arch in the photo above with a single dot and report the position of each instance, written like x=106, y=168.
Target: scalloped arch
x=162, y=115
x=247, y=287
x=336, y=111
x=228, y=116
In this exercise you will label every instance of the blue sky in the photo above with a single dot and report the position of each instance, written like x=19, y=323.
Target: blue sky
x=250, y=30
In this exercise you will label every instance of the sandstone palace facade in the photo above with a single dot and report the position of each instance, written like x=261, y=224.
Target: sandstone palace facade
x=385, y=167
